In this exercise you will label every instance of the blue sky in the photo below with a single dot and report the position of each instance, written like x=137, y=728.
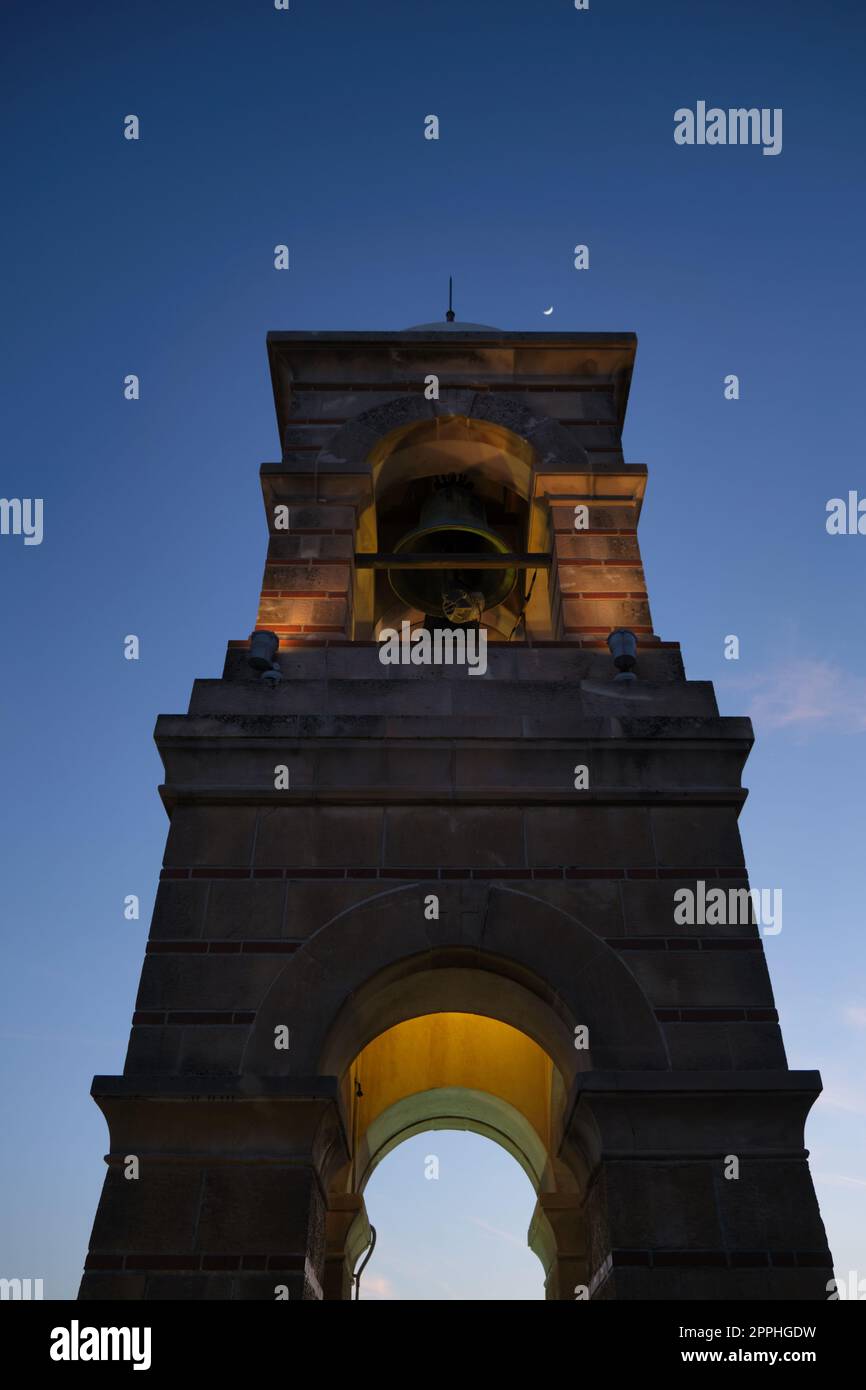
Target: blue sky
x=156, y=257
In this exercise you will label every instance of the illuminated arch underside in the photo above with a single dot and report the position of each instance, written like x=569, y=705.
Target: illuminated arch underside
x=454, y=1071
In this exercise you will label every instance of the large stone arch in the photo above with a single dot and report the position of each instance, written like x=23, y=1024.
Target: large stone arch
x=496, y=952
x=513, y=957
x=358, y=445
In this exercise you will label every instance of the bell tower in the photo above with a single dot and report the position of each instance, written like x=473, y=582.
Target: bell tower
x=415, y=895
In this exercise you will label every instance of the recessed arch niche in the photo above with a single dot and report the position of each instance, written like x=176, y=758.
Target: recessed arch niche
x=500, y=465
x=460, y=1071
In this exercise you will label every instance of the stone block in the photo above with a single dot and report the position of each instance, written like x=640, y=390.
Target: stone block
x=310, y=904
x=649, y=906
x=97, y=1287
x=702, y=979
x=211, y=1049
x=485, y=837
x=325, y=517
x=245, y=909
x=286, y=548
x=252, y=1208
x=755, y=1046
x=581, y=580
x=585, y=545
x=651, y=1205
x=329, y=613
x=589, y=836
x=319, y=836
x=602, y=517
x=695, y=1046
x=214, y=835
x=387, y=764
x=211, y=982
x=770, y=1206
x=307, y=578
x=179, y=910
x=152, y=1048
x=699, y=835
x=189, y=1288
x=587, y=614
x=155, y=1213
x=595, y=903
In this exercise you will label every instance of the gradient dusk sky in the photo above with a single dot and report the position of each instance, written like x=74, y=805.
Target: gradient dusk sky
x=155, y=257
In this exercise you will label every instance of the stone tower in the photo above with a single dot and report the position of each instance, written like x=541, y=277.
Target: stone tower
x=406, y=897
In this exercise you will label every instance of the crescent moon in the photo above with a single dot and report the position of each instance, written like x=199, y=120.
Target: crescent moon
x=548, y=311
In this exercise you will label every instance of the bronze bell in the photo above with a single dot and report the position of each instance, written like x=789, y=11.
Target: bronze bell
x=453, y=521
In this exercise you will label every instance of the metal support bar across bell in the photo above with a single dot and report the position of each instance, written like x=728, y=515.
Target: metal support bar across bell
x=526, y=560
x=452, y=560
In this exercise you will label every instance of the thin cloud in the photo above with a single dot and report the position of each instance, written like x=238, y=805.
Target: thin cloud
x=495, y=1231
x=379, y=1289
x=844, y=1098
x=376, y=1286
x=840, y=1180
x=808, y=694
x=856, y=1016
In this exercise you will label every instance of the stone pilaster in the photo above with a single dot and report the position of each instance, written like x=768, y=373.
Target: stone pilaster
x=557, y=1234
x=698, y=1185
x=215, y=1189
x=347, y=1236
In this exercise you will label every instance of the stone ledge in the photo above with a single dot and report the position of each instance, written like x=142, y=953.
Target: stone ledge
x=697, y=1082
x=159, y=1086
x=256, y=723
x=175, y=794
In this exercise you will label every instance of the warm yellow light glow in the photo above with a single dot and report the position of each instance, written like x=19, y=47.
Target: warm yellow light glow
x=447, y=1050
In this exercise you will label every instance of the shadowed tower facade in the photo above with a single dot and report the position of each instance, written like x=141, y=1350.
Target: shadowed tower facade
x=431, y=893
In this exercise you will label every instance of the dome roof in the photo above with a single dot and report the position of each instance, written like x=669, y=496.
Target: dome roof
x=454, y=327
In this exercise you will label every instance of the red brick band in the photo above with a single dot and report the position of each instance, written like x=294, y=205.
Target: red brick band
x=195, y=1261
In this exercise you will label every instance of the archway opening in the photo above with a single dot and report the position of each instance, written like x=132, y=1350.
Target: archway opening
x=466, y=1074
x=451, y=1211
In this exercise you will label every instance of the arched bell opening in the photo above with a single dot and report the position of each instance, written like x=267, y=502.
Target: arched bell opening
x=452, y=443
x=463, y=521
x=443, y=485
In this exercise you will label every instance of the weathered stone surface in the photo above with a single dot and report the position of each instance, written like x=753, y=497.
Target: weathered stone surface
x=477, y=837
x=315, y=837
x=228, y=983
x=245, y=910
x=217, y=835
x=682, y=836
x=705, y=979
x=179, y=910
x=432, y=857
x=596, y=836
x=156, y=1213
